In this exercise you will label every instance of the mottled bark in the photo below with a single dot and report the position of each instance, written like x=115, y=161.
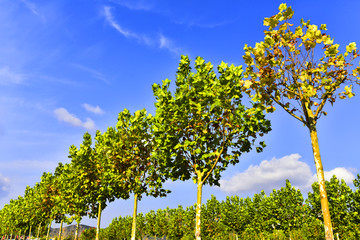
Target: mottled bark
x=77, y=230
x=61, y=228
x=321, y=180
x=198, y=209
x=98, y=222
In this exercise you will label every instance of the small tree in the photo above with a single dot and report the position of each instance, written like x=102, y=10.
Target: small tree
x=204, y=127
x=300, y=69
x=340, y=203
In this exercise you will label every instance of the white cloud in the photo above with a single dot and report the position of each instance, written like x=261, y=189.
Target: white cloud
x=110, y=19
x=4, y=186
x=63, y=115
x=340, y=173
x=89, y=124
x=8, y=76
x=96, y=110
x=271, y=174
x=167, y=44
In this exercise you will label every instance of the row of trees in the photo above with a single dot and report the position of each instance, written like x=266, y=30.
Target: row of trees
x=196, y=133
x=199, y=129
x=281, y=215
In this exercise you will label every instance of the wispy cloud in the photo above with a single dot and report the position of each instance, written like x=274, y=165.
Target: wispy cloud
x=64, y=116
x=8, y=76
x=161, y=41
x=134, y=4
x=110, y=19
x=270, y=174
x=95, y=110
x=95, y=74
x=166, y=43
x=4, y=186
x=32, y=7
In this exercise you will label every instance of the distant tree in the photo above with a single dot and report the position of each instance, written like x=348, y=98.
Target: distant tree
x=300, y=69
x=78, y=201
x=212, y=223
x=340, y=203
x=355, y=208
x=204, y=126
x=88, y=234
x=47, y=195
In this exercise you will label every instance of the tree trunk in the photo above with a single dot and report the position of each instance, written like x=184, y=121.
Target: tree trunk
x=133, y=230
x=321, y=180
x=38, y=233
x=48, y=232
x=98, y=222
x=77, y=230
x=198, y=209
x=30, y=233
x=60, y=231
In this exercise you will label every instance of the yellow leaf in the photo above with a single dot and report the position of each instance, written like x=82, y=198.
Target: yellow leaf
x=247, y=84
x=282, y=7
x=351, y=47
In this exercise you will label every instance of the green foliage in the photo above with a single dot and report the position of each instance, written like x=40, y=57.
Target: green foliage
x=212, y=224
x=342, y=205
x=203, y=127
x=88, y=234
x=281, y=215
x=128, y=151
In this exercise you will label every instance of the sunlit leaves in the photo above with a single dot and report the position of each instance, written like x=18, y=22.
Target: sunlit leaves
x=198, y=125
x=290, y=66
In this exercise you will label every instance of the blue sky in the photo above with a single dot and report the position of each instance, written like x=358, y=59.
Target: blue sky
x=68, y=67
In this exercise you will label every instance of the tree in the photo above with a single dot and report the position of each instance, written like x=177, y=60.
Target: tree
x=47, y=194
x=32, y=212
x=235, y=215
x=204, y=127
x=75, y=193
x=300, y=69
x=340, y=203
x=212, y=222
x=129, y=150
x=355, y=208
x=97, y=186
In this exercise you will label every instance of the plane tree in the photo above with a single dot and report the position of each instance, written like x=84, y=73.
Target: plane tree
x=300, y=69
x=341, y=201
x=31, y=211
x=203, y=126
x=75, y=195
x=98, y=185
x=128, y=149
x=50, y=199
